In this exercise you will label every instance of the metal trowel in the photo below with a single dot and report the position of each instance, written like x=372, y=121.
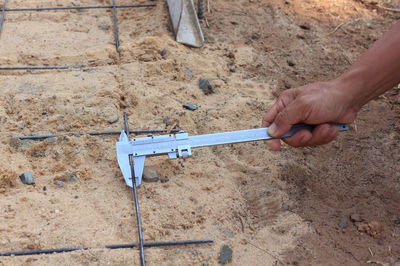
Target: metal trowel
x=185, y=22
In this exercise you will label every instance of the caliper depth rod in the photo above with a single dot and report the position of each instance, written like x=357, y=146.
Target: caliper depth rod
x=135, y=198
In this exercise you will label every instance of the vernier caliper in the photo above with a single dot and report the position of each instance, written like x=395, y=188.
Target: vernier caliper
x=181, y=145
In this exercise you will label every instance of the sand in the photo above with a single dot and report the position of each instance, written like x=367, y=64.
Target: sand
x=271, y=208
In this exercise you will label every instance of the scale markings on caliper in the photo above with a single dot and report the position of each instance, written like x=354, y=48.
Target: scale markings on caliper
x=181, y=144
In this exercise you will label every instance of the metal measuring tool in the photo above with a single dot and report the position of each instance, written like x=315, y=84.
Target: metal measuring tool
x=180, y=145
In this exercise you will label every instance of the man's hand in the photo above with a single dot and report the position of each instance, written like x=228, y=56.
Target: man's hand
x=337, y=100
x=315, y=104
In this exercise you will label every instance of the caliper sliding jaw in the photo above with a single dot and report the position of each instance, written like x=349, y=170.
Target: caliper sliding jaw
x=180, y=145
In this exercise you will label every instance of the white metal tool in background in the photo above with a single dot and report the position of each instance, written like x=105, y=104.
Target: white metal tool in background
x=180, y=145
x=185, y=23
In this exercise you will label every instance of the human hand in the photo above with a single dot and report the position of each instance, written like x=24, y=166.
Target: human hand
x=315, y=104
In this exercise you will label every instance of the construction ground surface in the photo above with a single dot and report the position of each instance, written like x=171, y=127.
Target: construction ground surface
x=328, y=205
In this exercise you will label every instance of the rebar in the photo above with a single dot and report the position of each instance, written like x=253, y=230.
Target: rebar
x=116, y=28
x=3, y=9
x=200, y=9
x=118, y=246
x=42, y=67
x=75, y=7
x=133, y=176
x=78, y=134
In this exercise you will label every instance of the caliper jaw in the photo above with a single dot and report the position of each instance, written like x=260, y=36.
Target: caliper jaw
x=173, y=145
x=123, y=161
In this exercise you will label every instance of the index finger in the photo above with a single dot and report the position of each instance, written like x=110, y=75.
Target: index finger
x=284, y=99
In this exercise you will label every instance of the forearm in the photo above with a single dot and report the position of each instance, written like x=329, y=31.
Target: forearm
x=376, y=71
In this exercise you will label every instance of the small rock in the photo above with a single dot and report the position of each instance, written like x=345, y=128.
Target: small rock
x=146, y=58
x=150, y=174
x=190, y=106
x=189, y=73
x=342, y=223
x=255, y=36
x=104, y=27
x=305, y=26
x=288, y=86
x=70, y=177
x=226, y=255
x=232, y=68
x=44, y=188
x=234, y=23
x=60, y=128
x=75, y=197
x=355, y=217
x=164, y=180
x=285, y=207
x=20, y=124
x=44, y=113
x=290, y=63
x=110, y=113
x=27, y=178
x=228, y=233
x=206, y=86
x=59, y=183
x=164, y=53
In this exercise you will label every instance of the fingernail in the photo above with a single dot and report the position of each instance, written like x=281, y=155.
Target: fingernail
x=272, y=130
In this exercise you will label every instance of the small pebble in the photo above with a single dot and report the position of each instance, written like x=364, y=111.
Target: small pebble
x=164, y=180
x=190, y=106
x=255, y=36
x=189, y=73
x=225, y=255
x=110, y=114
x=285, y=207
x=206, y=86
x=104, y=27
x=290, y=63
x=27, y=178
x=164, y=52
x=44, y=113
x=44, y=188
x=232, y=68
x=342, y=223
x=70, y=177
x=60, y=128
x=355, y=217
x=305, y=27
x=228, y=233
x=150, y=174
x=59, y=183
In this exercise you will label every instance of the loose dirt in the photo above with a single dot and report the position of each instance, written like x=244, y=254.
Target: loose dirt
x=287, y=207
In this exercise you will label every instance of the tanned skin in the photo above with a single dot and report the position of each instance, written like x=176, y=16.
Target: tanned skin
x=337, y=100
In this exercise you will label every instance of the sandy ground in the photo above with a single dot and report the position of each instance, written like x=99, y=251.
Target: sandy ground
x=289, y=207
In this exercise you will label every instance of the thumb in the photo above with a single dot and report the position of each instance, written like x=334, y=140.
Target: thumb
x=290, y=115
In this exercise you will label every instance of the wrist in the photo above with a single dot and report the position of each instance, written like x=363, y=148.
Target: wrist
x=354, y=88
